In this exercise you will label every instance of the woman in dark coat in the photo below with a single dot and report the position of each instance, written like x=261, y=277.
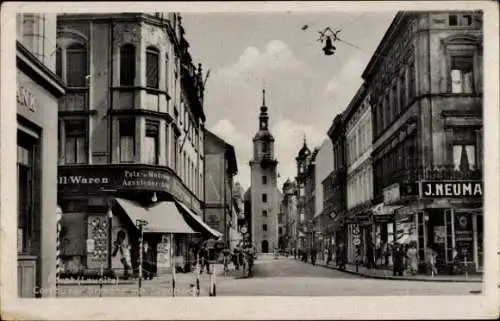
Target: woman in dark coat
x=398, y=260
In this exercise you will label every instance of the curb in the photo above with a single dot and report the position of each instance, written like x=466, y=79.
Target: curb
x=402, y=278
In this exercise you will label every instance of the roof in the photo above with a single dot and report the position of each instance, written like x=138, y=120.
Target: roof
x=229, y=152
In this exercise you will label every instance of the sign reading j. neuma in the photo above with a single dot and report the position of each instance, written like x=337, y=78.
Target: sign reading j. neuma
x=452, y=188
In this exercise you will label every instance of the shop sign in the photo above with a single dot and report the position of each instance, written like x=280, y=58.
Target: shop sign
x=90, y=179
x=163, y=252
x=26, y=99
x=392, y=193
x=452, y=189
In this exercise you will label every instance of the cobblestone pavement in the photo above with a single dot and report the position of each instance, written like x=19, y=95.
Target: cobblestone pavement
x=286, y=276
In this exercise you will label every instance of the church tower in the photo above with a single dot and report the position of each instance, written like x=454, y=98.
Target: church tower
x=265, y=196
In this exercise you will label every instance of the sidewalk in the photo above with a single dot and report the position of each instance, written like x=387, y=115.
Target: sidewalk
x=158, y=286
x=388, y=274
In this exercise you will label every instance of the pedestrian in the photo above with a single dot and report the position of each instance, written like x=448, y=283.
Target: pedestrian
x=386, y=253
x=454, y=262
x=370, y=255
x=314, y=254
x=412, y=258
x=325, y=255
x=341, y=255
x=204, y=256
x=329, y=255
x=431, y=256
x=121, y=246
x=398, y=260
x=148, y=266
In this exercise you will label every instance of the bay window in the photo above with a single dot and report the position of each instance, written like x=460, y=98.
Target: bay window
x=127, y=140
x=151, y=142
x=464, y=158
x=152, y=63
x=75, y=146
x=127, y=65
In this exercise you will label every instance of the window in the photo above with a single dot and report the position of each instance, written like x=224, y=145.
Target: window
x=264, y=213
x=466, y=20
x=395, y=106
x=264, y=147
x=411, y=82
x=462, y=77
x=452, y=20
x=59, y=68
x=166, y=73
x=127, y=65
x=152, y=67
x=464, y=158
x=151, y=142
x=127, y=140
x=76, y=141
x=264, y=227
x=402, y=91
x=26, y=188
x=280, y=230
x=264, y=198
x=76, y=70
x=175, y=152
x=264, y=180
x=167, y=145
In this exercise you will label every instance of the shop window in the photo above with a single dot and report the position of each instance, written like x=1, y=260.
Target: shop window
x=264, y=180
x=464, y=157
x=77, y=66
x=151, y=142
x=264, y=213
x=461, y=74
x=152, y=67
x=264, y=198
x=127, y=65
x=26, y=180
x=127, y=140
x=264, y=227
x=76, y=141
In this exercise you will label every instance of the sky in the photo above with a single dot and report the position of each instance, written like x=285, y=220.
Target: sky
x=305, y=89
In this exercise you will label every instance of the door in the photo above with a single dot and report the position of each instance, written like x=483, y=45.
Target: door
x=265, y=246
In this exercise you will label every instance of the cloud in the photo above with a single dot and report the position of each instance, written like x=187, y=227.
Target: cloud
x=277, y=57
x=350, y=74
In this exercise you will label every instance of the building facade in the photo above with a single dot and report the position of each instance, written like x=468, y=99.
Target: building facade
x=131, y=137
x=304, y=225
x=38, y=91
x=289, y=210
x=265, y=197
x=239, y=223
x=335, y=184
x=427, y=127
x=323, y=167
x=359, y=176
x=220, y=169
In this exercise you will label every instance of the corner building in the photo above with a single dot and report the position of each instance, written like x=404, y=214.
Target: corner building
x=38, y=90
x=130, y=139
x=425, y=80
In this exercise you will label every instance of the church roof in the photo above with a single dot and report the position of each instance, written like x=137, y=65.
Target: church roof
x=304, y=151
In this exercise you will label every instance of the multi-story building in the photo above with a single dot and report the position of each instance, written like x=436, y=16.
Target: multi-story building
x=425, y=80
x=303, y=159
x=239, y=223
x=335, y=184
x=289, y=209
x=264, y=194
x=38, y=91
x=131, y=137
x=220, y=169
x=310, y=200
x=323, y=167
x=359, y=175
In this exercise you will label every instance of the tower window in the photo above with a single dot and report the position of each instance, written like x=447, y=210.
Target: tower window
x=264, y=180
x=264, y=227
x=264, y=147
x=264, y=198
x=264, y=213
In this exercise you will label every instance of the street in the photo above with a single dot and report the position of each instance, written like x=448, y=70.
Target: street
x=290, y=277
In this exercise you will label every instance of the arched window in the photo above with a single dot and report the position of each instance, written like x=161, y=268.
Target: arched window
x=264, y=227
x=76, y=65
x=152, y=63
x=127, y=65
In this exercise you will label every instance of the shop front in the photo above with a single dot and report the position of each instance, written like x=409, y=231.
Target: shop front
x=447, y=218
x=38, y=90
x=106, y=205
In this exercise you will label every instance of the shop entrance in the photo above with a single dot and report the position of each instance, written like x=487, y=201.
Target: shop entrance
x=265, y=246
x=436, y=233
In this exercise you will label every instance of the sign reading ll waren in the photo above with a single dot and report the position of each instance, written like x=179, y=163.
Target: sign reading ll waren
x=91, y=178
x=452, y=189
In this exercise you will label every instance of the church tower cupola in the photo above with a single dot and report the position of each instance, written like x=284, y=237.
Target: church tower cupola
x=263, y=140
x=264, y=117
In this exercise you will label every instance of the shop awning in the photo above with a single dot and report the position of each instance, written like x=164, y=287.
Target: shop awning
x=382, y=209
x=163, y=217
x=199, y=220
